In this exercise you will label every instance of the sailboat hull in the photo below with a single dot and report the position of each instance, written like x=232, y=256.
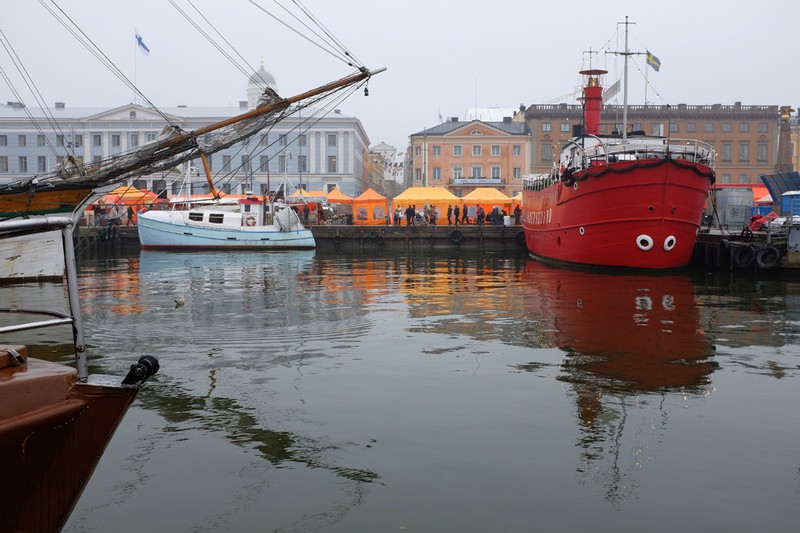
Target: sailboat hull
x=170, y=230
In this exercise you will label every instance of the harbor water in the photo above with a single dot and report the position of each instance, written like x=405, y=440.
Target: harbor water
x=310, y=391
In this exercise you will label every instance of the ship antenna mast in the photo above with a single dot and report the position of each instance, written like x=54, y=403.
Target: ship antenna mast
x=625, y=54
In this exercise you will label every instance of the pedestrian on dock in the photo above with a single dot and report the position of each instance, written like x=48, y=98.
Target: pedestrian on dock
x=465, y=218
x=456, y=213
x=409, y=215
x=517, y=215
x=449, y=214
x=130, y=214
x=305, y=214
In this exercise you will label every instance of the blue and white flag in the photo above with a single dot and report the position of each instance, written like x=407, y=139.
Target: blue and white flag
x=141, y=45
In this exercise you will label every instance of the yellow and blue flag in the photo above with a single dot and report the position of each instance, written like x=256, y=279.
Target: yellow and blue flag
x=653, y=61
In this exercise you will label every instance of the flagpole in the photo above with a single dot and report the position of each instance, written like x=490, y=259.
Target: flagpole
x=646, y=83
x=135, y=62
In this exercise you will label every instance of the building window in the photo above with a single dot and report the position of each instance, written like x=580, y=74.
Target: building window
x=437, y=174
x=726, y=152
x=331, y=163
x=762, y=152
x=3, y=140
x=656, y=129
x=744, y=127
x=546, y=126
x=547, y=152
x=78, y=141
x=476, y=132
x=210, y=162
x=673, y=127
x=41, y=164
x=691, y=127
x=516, y=173
x=40, y=140
x=96, y=159
x=282, y=140
x=149, y=137
x=245, y=165
x=115, y=140
x=726, y=127
x=516, y=150
x=302, y=163
x=22, y=140
x=437, y=151
x=134, y=140
x=263, y=163
x=477, y=172
x=226, y=163
x=97, y=139
x=281, y=163
x=565, y=127
x=496, y=150
x=495, y=172
x=417, y=151
x=301, y=140
x=744, y=151
x=3, y=164
x=763, y=127
x=708, y=127
x=59, y=140
x=264, y=139
x=744, y=178
x=331, y=139
x=23, y=164
x=726, y=178
x=476, y=150
x=418, y=174
x=457, y=150
x=458, y=173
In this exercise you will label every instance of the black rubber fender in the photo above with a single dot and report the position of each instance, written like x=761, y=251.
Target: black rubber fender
x=744, y=256
x=456, y=236
x=768, y=257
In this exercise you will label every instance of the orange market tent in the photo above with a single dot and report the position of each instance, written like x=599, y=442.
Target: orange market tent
x=309, y=196
x=438, y=197
x=370, y=208
x=338, y=197
x=486, y=197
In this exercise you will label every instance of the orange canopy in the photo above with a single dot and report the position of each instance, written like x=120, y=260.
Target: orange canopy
x=338, y=197
x=370, y=207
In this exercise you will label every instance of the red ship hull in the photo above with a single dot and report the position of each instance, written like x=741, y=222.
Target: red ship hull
x=639, y=214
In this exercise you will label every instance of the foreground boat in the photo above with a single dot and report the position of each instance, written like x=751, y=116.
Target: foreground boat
x=247, y=224
x=55, y=420
x=620, y=200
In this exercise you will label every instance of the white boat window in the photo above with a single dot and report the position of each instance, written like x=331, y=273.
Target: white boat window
x=216, y=218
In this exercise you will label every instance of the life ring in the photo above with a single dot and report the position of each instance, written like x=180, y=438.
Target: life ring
x=373, y=234
x=747, y=234
x=250, y=221
x=743, y=256
x=768, y=257
x=379, y=240
x=456, y=236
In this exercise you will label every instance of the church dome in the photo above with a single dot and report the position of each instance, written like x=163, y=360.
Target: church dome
x=262, y=77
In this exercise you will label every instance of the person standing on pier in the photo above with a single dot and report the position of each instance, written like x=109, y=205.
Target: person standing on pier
x=456, y=213
x=449, y=214
x=409, y=215
x=465, y=219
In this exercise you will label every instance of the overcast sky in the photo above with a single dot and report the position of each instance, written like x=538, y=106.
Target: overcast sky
x=442, y=57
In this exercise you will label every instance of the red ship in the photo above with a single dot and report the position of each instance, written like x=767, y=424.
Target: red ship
x=620, y=200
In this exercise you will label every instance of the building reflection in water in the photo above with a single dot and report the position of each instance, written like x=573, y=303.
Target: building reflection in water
x=633, y=349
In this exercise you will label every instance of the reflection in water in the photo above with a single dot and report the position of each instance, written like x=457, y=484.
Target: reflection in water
x=633, y=344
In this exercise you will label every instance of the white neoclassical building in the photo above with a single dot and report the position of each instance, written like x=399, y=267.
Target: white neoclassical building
x=317, y=152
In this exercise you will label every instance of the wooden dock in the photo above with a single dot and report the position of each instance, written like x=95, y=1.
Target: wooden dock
x=471, y=237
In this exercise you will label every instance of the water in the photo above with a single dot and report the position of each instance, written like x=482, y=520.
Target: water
x=306, y=392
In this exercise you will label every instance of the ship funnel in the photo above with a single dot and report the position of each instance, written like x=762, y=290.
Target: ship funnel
x=592, y=100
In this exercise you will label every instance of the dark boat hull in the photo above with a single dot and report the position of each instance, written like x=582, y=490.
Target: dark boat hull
x=53, y=431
